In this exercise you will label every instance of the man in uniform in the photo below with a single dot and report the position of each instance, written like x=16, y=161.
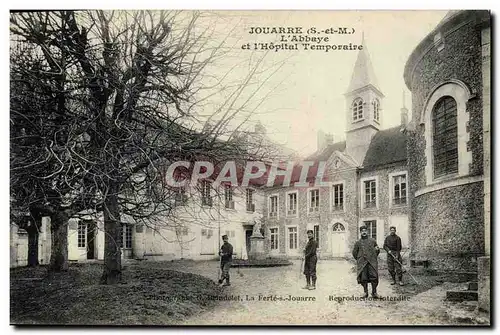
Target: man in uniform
x=365, y=252
x=392, y=245
x=310, y=260
x=226, y=258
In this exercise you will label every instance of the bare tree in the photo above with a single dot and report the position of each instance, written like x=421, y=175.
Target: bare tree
x=126, y=88
x=44, y=137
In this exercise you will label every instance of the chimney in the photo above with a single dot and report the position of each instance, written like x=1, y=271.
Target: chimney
x=324, y=140
x=404, y=113
x=328, y=139
x=259, y=128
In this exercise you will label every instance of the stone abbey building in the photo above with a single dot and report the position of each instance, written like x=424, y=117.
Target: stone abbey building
x=365, y=180
x=430, y=177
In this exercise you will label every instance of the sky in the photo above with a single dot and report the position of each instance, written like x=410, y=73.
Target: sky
x=302, y=91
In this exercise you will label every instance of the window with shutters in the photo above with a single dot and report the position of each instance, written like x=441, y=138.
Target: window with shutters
x=445, y=137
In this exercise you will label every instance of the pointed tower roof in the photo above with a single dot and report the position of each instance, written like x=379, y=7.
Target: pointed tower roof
x=363, y=74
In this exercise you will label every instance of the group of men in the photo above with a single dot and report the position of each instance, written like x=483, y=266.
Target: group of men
x=365, y=252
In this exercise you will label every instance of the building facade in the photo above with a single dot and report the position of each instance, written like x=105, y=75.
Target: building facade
x=364, y=182
x=192, y=231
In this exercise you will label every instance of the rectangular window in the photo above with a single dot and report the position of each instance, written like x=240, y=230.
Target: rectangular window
x=82, y=235
x=338, y=197
x=316, y=234
x=230, y=233
x=399, y=190
x=313, y=201
x=180, y=196
x=249, y=200
x=181, y=231
x=292, y=238
x=206, y=197
x=127, y=236
x=372, y=228
x=208, y=233
x=228, y=197
x=274, y=238
x=292, y=204
x=273, y=206
x=370, y=194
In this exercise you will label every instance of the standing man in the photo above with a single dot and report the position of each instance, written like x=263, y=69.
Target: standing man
x=226, y=258
x=392, y=245
x=365, y=252
x=310, y=260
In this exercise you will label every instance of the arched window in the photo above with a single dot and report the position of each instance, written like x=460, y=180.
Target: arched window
x=338, y=227
x=445, y=137
x=376, y=110
x=357, y=109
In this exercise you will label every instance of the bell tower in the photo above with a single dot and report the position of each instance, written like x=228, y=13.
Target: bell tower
x=363, y=106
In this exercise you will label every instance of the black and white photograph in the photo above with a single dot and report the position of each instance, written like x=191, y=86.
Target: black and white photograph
x=250, y=167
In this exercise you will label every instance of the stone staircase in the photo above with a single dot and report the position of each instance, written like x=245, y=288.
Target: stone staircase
x=470, y=294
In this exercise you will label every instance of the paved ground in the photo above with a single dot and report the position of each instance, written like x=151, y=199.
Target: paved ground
x=335, y=280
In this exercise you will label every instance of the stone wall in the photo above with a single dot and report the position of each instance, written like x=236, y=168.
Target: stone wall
x=447, y=227
x=447, y=217
x=484, y=266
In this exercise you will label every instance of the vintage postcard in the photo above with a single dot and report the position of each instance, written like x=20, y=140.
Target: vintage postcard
x=250, y=167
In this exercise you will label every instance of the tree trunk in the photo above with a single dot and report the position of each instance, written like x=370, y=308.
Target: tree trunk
x=112, y=272
x=59, y=250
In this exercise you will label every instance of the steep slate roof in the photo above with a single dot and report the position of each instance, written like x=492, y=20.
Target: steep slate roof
x=313, y=170
x=363, y=73
x=327, y=152
x=387, y=146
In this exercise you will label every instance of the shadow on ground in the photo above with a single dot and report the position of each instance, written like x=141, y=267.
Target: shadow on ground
x=147, y=296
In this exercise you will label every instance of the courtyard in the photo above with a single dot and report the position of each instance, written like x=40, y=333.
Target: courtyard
x=274, y=296
x=185, y=293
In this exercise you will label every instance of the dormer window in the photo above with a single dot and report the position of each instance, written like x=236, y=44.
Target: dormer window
x=376, y=110
x=357, y=109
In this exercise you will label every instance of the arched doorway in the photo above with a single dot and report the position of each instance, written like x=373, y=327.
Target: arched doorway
x=338, y=240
